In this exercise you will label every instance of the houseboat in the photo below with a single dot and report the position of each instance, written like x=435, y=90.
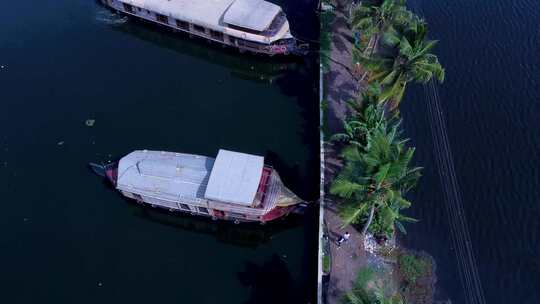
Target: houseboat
x=233, y=186
x=248, y=25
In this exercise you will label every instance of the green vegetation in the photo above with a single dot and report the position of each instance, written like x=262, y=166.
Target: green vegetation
x=369, y=289
x=376, y=173
x=404, y=54
x=412, y=267
x=374, y=17
x=326, y=19
x=326, y=263
x=324, y=126
x=392, y=46
x=377, y=170
x=365, y=275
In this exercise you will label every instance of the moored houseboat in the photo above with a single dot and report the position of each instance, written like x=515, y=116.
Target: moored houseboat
x=249, y=25
x=233, y=186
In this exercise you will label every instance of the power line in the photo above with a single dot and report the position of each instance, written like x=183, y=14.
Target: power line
x=467, y=266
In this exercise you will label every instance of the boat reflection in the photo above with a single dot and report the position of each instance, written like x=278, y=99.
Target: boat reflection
x=245, y=234
x=243, y=66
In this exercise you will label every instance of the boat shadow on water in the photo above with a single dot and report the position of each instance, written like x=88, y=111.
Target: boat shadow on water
x=246, y=234
x=250, y=235
x=259, y=68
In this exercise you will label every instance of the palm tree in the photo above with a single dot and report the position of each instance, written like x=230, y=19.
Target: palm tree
x=369, y=96
x=352, y=130
x=355, y=129
x=374, y=178
x=414, y=29
x=361, y=294
x=374, y=17
x=390, y=218
x=411, y=61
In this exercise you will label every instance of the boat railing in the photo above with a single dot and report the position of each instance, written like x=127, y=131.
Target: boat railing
x=210, y=32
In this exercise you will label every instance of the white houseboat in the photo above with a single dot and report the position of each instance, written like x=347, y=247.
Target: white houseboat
x=233, y=186
x=249, y=25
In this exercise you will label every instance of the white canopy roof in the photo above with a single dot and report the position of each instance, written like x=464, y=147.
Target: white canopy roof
x=235, y=178
x=166, y=175
x=203, y=12
x=252, y=14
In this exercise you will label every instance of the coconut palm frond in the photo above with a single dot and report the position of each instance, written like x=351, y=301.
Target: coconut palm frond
x=350, y=214
x=351, y=154
x=345, y=188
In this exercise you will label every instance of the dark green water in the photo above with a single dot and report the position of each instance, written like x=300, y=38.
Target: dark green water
x=66, y=237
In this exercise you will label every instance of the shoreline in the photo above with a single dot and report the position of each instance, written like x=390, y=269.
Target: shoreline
x=338, y=85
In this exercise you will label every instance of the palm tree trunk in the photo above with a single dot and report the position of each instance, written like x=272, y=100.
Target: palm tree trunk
x=376, y=44
x=371, y=48
x=369, y=220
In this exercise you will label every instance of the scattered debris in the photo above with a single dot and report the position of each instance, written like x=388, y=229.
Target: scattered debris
x=90, y=122
x=370, y=244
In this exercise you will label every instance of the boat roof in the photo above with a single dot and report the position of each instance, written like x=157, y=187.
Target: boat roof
x=232, y=177
x=251, y=14
x=167, y=175
x=235, y=178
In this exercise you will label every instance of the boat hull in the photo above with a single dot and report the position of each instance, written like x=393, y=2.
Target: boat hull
x=274, y=214
x=111, y=174
x=289, y=48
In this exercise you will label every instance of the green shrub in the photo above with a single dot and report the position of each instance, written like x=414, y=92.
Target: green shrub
x=365, y=275
x=326, y=263
x=325, y=38
x=413, y=266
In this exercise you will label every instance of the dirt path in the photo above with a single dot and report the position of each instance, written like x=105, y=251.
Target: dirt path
x=340, y=86
x=347, y=259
